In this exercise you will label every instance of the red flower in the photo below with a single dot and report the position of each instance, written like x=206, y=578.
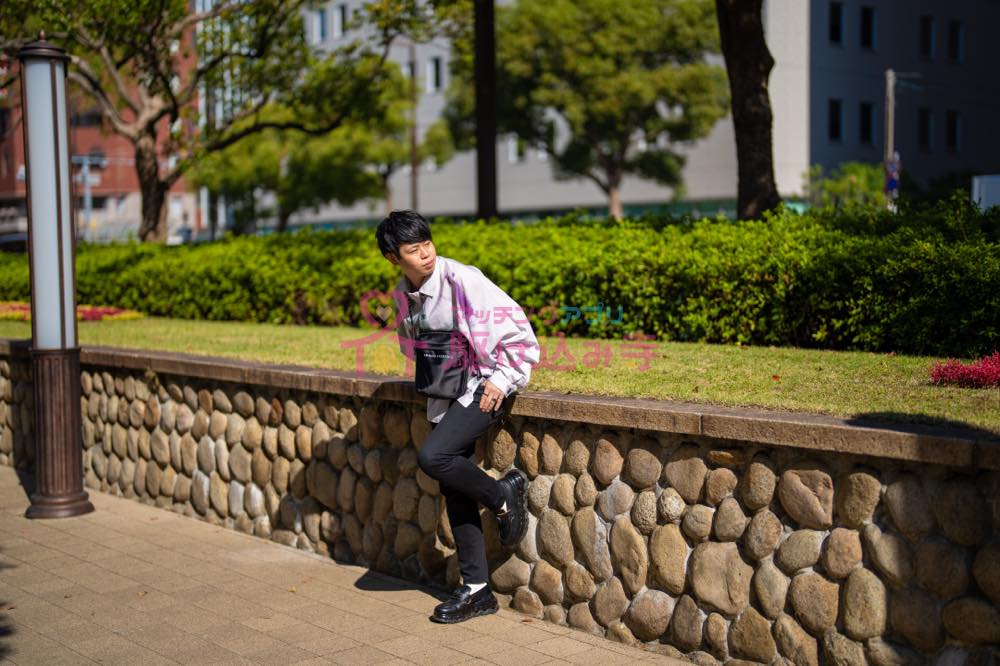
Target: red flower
x=984, y=373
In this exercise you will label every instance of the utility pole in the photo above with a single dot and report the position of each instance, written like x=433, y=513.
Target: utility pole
x=893, y=166
x=85, y=178
x=414, y=150
x=890, y=114
x=486, y=113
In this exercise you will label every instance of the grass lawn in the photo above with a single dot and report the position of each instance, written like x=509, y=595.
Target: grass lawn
x=852, y=384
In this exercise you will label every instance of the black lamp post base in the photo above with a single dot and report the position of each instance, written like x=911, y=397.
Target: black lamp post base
x=59, y=489
x=59, y=506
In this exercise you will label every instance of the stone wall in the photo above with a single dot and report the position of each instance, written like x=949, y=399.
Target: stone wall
x=17, y=442
x=724, y=550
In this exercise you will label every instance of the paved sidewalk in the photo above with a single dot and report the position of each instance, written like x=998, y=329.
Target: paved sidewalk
x=132, y=584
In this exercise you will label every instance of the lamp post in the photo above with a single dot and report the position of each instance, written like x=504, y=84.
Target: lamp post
x=55, y=354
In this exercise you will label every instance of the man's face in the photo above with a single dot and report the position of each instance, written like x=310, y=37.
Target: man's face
x=417, y=260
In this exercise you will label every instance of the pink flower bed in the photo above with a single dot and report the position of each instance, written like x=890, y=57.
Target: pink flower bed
x=984, y=373
x=13, y=311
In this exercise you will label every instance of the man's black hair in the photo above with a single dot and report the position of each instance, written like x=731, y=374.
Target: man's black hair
x=399, y=228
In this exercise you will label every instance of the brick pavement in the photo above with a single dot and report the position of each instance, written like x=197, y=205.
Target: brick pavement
x=132, y=584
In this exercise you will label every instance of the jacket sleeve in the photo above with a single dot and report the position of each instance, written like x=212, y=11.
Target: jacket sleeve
x=505, y=346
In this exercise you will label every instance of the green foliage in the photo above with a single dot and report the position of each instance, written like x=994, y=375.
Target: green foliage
x=920, y=281
x=251, y=71
x=348, y=164
x=850, y=184
x=587, y=79
x=298, y=170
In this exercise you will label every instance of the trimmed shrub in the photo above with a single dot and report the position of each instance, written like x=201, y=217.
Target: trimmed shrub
x=925, y=280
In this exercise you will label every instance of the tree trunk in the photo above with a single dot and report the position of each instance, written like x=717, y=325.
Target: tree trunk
x=388, y=193
x=615, y=201
x=748, y=64
x=283, y=216
x=153, y=227
x=612, y=186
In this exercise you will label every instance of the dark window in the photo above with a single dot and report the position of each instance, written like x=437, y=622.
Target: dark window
x=953, y=130
x=4, y=122
x=321, y=33
x=836, y=23
x=866, y=123
x=925, y=128
x=340, y=19
x=434, y=74
x=835, y=123
x=89, y=118
x=927, y=37
x=867, y=27
x=956, y=41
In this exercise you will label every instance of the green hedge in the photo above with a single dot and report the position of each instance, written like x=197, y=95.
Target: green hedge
x=925, y=280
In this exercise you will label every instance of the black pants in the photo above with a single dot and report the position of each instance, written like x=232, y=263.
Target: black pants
x=447, y=455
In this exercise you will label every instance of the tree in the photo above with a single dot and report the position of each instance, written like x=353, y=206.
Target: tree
x=139, y=61
x=850, y=184
x=606, y=88
x=352, y=163
x=296, y=172
x=388, y=152
x=748, y=64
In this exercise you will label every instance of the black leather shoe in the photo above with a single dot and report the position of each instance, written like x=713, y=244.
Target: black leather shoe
x=513, y=523
x=464, y=605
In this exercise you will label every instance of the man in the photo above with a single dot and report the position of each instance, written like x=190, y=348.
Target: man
x=428, y=294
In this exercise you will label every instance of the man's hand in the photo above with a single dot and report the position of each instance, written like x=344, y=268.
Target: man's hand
x=492, y=397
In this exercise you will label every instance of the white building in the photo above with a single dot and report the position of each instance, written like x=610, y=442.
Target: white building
x=827, y=94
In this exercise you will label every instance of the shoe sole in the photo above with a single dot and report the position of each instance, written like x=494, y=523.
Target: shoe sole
x=444, y=619
x=521, y=485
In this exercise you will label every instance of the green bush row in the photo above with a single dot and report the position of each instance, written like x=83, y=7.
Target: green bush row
x=925, y=280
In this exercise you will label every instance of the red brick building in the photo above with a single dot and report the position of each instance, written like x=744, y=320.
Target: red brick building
x=114, y=187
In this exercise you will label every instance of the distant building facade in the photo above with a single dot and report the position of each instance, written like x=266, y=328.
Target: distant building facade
x=827, y=94
x=99, y=156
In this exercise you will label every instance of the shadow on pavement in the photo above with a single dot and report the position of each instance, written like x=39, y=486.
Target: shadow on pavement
x=27, y=480
x=373, y=581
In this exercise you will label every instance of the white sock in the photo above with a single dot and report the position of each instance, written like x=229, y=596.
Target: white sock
x=475, y=587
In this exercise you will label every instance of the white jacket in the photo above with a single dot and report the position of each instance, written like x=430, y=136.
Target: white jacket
x=497, y=328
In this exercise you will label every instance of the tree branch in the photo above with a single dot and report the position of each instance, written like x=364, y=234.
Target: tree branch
x=83, y=76
x=229, y=139
x=109, y=64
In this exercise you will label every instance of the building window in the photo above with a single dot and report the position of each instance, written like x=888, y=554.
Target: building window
x=318, y=26
x=956, y=41
x=953, y=130
x=927, y=37
x=340, y=18
x=866, y=123
x=88, y=118
x=925, y=128
x=434, y=74
x=835, y=121
x=868, y=27
x=836, y=22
